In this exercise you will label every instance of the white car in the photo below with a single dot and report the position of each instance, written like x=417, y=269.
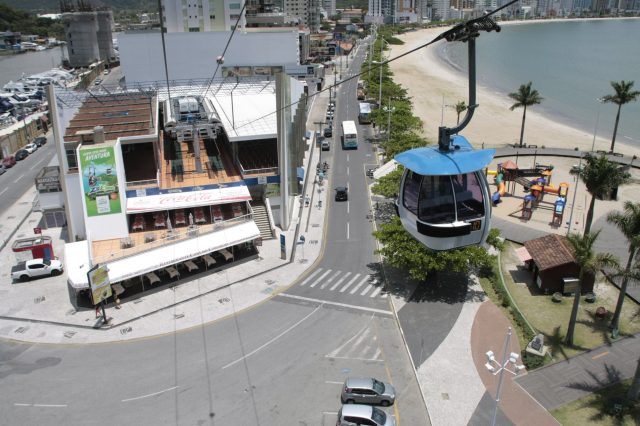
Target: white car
x=31, y=148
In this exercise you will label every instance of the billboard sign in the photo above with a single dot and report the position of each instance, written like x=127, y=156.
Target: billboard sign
x=99, y=281
x=100, y=181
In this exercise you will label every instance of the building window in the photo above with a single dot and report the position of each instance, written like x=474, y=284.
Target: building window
x=194, y=30
x=212, y=16
x=234, y=6
x=72, y=161
x=72, y=52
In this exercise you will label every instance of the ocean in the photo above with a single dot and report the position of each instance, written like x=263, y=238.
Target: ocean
x=12, y=67
x=571, y=64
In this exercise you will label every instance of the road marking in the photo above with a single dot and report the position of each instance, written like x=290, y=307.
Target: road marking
x=343, y=289
x=20, y=177
x=316, y=272
x=333, y=287
x=342, y=305
x=366, y=290
x=150, y=394
x=333, y=383
x=275, y=338
x=600, y=355
x=5, y=190
x=315, y=283
x=326, y=283
x=347, y=230
x=347, y=171
x=375, y=292
x=365, y=279
x=18, y=404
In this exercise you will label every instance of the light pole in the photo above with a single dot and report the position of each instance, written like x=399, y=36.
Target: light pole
x=389, y=110
x=575, y=191
x=496, y=367
x=595, y=130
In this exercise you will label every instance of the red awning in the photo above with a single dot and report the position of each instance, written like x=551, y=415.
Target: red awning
x=523, y=254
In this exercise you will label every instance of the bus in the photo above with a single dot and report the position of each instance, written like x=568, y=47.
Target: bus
x=349, y=135
x=364, y=114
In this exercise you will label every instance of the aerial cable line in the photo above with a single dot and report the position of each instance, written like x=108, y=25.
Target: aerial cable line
x=459, y=32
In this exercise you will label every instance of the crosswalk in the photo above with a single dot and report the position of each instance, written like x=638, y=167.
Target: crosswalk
x=352, y=283
x=363, y=345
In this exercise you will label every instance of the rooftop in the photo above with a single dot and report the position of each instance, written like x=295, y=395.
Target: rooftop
x=549, y=251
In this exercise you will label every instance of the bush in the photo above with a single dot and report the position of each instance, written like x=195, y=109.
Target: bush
x=532, y=361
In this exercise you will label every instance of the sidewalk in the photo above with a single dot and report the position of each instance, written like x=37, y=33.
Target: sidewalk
x=40, y=311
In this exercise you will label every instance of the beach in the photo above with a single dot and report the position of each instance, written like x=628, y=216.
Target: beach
x=431, y=82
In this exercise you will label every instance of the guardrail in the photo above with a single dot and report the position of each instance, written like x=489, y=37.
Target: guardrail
x=265, y=170
x=169, y=237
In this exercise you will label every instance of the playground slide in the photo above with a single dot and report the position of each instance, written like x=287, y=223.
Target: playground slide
x=492, y=172
x=495, y=198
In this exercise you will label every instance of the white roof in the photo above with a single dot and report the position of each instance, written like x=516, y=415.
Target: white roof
x=178, y=200
x=252, y=116
x=385, y=169
x=77, y=254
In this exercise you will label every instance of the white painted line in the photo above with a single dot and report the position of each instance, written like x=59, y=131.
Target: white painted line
x=365, y=279
x=342, y=305
x=347, y=171
x=311, y=276
x=347, y=158
x=347, y=230
x=366, y=290
x=326, y=283
x=333, y=287
x=3, y=191
x=315, y=283
x=376, y=291
x=19, y=177
x=274, y=339
x=355, y=277
x=355, y=358
x=150, y=394
x=19, y=404
x=333, y=383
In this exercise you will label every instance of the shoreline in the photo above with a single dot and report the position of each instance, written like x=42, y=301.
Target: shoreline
x=430, y=79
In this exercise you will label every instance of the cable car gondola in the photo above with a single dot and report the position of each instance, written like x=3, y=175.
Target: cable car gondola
x=444, y=199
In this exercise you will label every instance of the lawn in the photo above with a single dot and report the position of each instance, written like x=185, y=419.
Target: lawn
x=551, y=319
x=597, y=409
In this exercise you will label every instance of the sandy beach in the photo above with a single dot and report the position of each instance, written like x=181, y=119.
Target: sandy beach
x=428, y=79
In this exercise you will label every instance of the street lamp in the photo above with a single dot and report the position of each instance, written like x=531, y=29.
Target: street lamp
x=496, y=367
x=595, y=130
x=389, y=109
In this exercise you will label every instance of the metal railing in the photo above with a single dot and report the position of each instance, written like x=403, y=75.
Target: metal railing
x=142, y=183
x=264, y=170
x=170, y=237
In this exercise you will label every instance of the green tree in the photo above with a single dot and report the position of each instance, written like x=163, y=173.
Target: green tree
x=460, y=108
x=402, y=251
x=600, y=176
x=629, y=224
x=388, y=185
x=634, y=389
x=525, y=97
x=588, y=262
x=623, y=95
x=401, y=142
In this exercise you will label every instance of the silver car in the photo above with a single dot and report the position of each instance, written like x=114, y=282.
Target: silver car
x=367, y=390
x=356, y=414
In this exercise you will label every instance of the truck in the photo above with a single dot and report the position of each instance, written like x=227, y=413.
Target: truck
x=33, y=268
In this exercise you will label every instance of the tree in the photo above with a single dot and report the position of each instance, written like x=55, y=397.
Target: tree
x=460, y=108
x=401, y=142
x=600, y=176
x=402, y=251
x=525, y=97
x=623, y=95
x=629, y=224
x=588, y=262
x=634, y=389
x=388, y=185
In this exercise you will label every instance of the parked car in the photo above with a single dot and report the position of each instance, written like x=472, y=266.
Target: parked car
x=326, y=146
x=9, y=161
x=106, y=72
x=367, y=390
x=31, y=148
x=97, y=81
x=356, y=414
x=3, y=170
x=342, y=193
x=33, y=268
x=21, y=154
x=328, y=131
x=40, y=140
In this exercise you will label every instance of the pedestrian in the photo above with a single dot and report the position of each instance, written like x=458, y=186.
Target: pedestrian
x=98, y=311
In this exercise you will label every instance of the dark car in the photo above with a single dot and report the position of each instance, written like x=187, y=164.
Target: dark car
x=2, y=170
x=9, y=161
x=21, y=154
x=342, y=193
x=328, y=131
x=40, y=140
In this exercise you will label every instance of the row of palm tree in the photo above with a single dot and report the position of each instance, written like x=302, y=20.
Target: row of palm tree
x=527, y=96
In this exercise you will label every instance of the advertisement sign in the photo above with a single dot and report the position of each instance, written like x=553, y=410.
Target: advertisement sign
x=283, y=247
x=99, y=281
x=100, y=181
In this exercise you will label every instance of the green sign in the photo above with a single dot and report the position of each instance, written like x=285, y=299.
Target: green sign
x=100, y=181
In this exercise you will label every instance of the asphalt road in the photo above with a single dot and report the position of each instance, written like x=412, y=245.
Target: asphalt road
x=21, y=177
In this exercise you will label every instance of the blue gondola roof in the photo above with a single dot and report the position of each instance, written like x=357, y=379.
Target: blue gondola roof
x=431, y=161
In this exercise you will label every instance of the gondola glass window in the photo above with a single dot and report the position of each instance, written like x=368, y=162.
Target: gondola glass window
x=444, y=199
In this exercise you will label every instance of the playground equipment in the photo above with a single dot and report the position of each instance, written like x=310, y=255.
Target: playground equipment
x=495, y=198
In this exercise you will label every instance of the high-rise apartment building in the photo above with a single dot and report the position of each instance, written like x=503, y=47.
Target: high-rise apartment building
x=298, y=10
x=201, y=15
x=329, y=6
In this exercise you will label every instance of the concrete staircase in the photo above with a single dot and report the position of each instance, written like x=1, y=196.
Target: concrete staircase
x=261, y=218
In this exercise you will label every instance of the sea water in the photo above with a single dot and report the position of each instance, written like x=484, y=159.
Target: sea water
x=570, y=62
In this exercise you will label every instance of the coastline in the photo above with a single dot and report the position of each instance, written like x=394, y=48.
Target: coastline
x=429, y=79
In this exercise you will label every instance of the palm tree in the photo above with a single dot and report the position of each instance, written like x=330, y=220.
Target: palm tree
x=589, y=262
x=634, y=389
x=524, y=97
x=600, y=176
x=460, y=108
x=629, y=224
x=623, y=95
